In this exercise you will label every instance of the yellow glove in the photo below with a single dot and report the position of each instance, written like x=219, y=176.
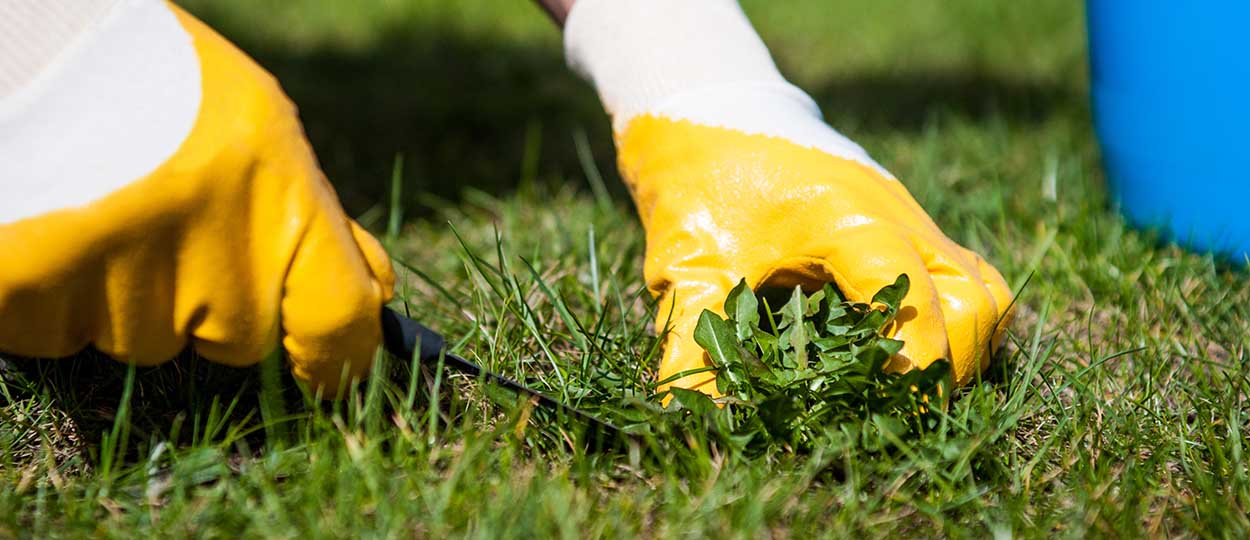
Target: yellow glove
x=735, y=175
x=159, y=193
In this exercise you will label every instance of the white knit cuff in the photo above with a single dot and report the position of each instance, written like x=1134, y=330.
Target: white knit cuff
x=34, y=32
x=638, y=53
x=107, y=110
x=695, y=60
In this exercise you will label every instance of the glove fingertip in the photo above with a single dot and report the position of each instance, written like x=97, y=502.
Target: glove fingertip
x=331, y=309
x=376, y=258
x=329, y=366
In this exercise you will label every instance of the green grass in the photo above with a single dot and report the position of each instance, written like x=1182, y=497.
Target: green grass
x=1118, y=408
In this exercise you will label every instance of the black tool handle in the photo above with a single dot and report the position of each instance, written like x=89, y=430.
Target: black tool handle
x=402, y=335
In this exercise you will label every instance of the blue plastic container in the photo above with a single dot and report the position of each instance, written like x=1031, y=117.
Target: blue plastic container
x=1171, y=96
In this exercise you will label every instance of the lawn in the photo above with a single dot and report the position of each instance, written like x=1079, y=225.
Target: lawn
x=1119, y=407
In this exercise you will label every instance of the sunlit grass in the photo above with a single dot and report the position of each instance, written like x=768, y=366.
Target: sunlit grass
x=1117, y=409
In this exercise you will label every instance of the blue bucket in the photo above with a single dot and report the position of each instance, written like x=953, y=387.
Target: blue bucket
x=1171, y=93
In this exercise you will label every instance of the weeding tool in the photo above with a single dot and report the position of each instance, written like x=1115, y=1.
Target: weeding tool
x=402, y=336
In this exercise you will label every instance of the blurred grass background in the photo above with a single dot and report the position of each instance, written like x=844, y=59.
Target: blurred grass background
x=459, y=87
x=1118, y=409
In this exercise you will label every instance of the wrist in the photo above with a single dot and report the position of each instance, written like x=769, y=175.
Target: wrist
x=640, y=53
x=558, y=9
x=694, y=60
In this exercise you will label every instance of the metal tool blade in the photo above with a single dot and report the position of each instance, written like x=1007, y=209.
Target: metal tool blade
x=402, y=336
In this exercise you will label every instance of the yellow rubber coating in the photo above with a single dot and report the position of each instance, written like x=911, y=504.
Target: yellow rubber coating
x=236, y=244
x=719, y=205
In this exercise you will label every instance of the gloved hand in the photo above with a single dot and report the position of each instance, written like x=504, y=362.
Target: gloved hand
x=735, y=175
x=159, y=192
